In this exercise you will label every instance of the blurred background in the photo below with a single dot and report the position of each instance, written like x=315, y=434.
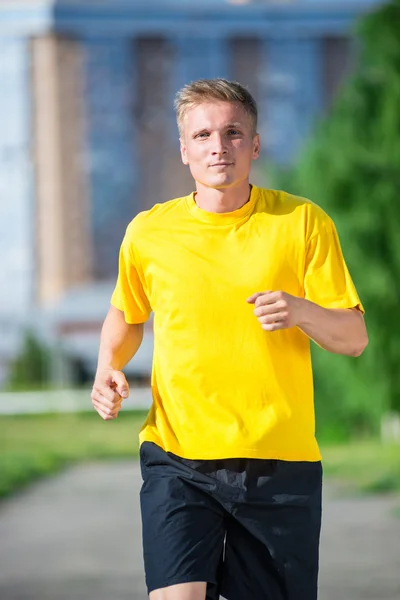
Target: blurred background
x=88, y=139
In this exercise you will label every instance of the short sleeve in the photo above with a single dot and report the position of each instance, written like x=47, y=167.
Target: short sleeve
x=129, y=294
x=327, y=280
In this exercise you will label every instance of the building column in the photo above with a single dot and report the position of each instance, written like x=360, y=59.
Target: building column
x=293, y=95
x=63, y=237
x=16, y=206
x=111, y=153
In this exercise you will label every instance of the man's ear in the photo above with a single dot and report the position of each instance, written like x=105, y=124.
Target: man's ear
x=256, y=146
x=183, y=151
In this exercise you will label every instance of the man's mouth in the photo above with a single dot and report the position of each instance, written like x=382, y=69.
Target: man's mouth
x=221, y=164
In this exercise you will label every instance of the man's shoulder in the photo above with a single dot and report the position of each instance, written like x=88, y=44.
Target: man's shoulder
x=281, y=198
x=160, y=212
x=285, y=202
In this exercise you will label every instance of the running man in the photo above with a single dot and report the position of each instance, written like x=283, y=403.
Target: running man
x=239, y=279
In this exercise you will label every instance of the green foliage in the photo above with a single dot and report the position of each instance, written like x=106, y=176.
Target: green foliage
x=350, y=400
x=31, y=368
x=352, y=169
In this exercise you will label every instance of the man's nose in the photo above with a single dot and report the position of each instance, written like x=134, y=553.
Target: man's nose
x=218, y=146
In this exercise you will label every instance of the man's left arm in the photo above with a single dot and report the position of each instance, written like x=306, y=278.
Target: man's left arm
x=341, y=331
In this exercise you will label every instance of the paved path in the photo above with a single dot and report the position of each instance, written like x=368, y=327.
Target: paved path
x=77, y=537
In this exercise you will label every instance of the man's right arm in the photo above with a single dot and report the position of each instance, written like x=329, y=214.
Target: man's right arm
x=119, y=342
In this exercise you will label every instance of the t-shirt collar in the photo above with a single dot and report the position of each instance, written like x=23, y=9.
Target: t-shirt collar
x=226, y=218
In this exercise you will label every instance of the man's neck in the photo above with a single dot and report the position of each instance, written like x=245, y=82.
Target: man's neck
x=222, y=200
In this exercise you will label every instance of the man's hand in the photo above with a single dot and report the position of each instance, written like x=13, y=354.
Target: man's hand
x=276, y=310
x=109, y=389
x=338, y=330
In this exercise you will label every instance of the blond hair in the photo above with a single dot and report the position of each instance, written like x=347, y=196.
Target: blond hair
x=217, y=90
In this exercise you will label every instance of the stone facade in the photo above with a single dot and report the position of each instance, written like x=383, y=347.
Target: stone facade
x=63, y=232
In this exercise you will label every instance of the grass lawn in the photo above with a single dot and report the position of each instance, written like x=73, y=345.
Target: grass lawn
x=36, y=445
x=368, y=466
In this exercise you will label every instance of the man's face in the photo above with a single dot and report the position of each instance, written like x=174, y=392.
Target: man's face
x=218, y=144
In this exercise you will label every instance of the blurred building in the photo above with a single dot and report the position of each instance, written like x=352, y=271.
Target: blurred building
x=88, y=137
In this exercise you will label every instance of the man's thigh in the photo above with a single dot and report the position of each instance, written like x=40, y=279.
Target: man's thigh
x=183, y=526
x=182, y=591
x=272, y=539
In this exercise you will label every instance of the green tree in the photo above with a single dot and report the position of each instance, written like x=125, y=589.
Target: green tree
x=352, y=169
x=31, y=368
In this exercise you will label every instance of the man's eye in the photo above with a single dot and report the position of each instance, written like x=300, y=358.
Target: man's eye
x=204, y=134
x=233, y=132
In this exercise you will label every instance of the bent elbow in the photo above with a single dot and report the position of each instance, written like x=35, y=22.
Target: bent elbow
x=360, y=347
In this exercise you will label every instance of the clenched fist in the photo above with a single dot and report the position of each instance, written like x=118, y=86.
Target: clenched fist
x=277, y=310
x=109, y=389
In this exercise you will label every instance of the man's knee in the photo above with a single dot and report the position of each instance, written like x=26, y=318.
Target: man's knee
x=195, y=590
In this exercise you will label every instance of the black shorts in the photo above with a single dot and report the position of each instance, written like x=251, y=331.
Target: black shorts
x=248, y=527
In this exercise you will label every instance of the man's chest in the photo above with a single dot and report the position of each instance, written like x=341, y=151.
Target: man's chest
x=231, y=265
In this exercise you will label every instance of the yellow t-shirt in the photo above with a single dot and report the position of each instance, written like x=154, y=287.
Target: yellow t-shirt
x=222, y=386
